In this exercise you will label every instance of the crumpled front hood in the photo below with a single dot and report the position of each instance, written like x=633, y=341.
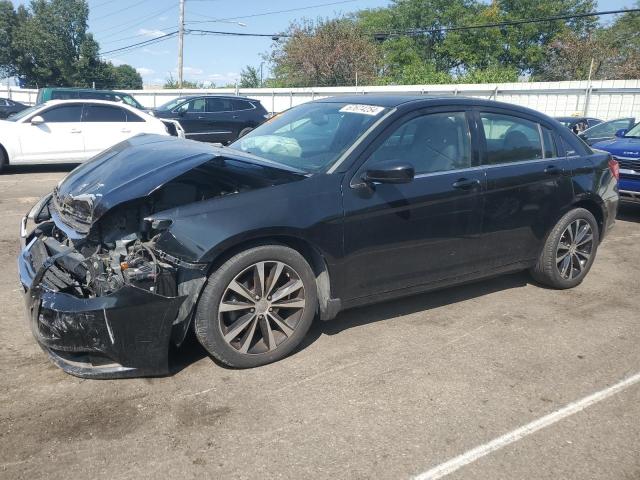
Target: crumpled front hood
x=623, y=147
x=133, y=169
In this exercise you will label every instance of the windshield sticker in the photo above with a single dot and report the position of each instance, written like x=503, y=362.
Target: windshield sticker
x=363, y=109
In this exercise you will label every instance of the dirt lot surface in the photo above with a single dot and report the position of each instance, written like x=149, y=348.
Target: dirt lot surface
x=385, y=392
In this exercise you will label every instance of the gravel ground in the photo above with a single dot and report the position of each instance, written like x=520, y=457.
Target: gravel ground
x=386, y=391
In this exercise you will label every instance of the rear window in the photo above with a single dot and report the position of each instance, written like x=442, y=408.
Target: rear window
x=63, y=95
x=242, y=105
x=103, y=113
x=510, y=138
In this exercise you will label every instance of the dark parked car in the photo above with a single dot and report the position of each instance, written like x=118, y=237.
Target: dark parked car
x=70, y=93
x=9, y=107
x=606, y=130
x=578, y=124
x=333, y=204
x=214, y=118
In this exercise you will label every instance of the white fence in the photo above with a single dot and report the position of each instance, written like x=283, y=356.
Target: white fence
x=605, y=99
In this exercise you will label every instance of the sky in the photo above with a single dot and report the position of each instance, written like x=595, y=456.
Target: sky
x=217, y=59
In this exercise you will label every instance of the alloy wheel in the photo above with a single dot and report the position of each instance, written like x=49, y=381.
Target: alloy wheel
x=574, y=249
x=261, y=307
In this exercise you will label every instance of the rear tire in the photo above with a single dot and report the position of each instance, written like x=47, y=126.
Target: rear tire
x=244, y=131
x=569, y=251
x=257, y=307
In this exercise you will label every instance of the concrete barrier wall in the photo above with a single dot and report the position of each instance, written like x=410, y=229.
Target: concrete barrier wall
x=605, y=99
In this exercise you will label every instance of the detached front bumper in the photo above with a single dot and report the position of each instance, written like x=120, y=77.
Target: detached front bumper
x=124, y=334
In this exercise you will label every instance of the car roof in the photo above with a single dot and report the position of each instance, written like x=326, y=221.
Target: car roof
x=80, y=89
x=49, y=103
x=394, y=100
x=195, y=95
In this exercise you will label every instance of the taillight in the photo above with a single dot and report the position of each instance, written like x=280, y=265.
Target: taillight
x=614, y=166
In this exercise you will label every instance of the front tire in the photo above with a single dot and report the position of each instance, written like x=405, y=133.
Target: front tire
x=257, y=307
x=244, y=131
x=569, y=251
x=4, y=161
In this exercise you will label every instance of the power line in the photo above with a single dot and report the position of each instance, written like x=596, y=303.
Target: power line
x=267, y=13
x=142, y=44
x=128, y=25
x=129, y=7
x=507, y=23
x=379, y=35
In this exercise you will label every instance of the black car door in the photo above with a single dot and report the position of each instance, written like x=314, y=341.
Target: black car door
x=528, y=184
x=220, y=121
x=191, y=116
x=402, y=235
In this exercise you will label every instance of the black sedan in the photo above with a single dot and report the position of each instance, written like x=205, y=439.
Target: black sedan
x=330, y=205
x=214, y=118
x=9, y=107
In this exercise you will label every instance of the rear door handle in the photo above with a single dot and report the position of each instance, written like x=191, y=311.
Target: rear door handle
x=201, y=118
x=235, y=116
x=552, y=170
x=125, y=130
x=75, y=130
x=466, y=184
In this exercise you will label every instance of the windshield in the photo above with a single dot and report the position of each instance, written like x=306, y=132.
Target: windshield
x=171, y=104
x=23, y=113
x=312, y=136
x=634, y=132
x=129, y=100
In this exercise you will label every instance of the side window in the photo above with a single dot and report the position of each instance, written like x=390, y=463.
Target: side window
x=434, y=142
x=607, y=129
x=196, y=106
x=132, y=117
x=63, y=95
x=241, y=105
x=3, y=102
x=66, y=113
x=510, y=139
x=550, y=149
x=218, y=105
x=103, y=113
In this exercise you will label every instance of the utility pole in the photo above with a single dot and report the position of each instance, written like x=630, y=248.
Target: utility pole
x=180, y=42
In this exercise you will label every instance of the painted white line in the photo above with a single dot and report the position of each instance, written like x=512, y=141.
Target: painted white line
x=472, y=455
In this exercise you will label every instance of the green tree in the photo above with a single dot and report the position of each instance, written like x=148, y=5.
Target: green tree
x=172, y=83
x=249, y=77
x=8, y=24
x=127, y=77
x=415, y=33
x=324, y=53
x=48, y=45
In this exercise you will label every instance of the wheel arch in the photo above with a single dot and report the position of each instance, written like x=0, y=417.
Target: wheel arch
x=592, y=205
x=327, y=305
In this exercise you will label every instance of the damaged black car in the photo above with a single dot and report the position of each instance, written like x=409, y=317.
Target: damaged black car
x=330, y=205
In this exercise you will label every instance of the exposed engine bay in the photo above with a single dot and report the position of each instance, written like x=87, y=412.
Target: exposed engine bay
x=116, y=257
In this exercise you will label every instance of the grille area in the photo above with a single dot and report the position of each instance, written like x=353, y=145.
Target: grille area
x=629, y=163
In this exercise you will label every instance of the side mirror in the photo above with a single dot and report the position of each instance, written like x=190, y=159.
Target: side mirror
x=37, y=120
x=390, y=172
x=621, y=133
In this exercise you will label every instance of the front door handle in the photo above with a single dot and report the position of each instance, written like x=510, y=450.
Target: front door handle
x=201, y=118
x=125, y=130
x=466, y=183
x=75, y=130
x=552, y=170
x=235, y=116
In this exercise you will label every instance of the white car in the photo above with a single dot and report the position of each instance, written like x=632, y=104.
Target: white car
x=70, y=131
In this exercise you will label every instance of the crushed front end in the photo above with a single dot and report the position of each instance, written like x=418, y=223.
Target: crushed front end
x=104, y=303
